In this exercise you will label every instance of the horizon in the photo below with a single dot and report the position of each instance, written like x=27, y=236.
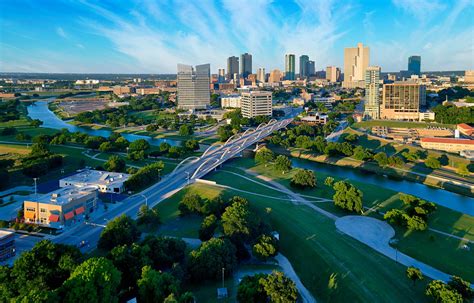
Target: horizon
x=149, y=37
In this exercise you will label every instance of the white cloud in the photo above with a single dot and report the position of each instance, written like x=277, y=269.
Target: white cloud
x=423, y=10
x=60, y=31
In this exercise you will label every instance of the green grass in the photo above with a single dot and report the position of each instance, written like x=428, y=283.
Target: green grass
x=450, y=258
x=389, y=123
x=316, y=249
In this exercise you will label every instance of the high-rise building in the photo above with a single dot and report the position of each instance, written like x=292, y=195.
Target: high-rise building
x=246, y=64
x=256, y=103
x=275, y=76
x=193, y=86
x=414, y=65
x=289, y=67
x=310, y=68
x=356, y=61
x=304, y=59
x=221, y=75
x=372, y=87
x=333, y=74
x=402, y=100
x=232, y=67
x=261, y=75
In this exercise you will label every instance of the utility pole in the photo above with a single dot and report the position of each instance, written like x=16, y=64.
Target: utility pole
x=223, y=270
x=36, y=191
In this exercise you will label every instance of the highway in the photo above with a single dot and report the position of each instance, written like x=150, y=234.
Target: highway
x=185, y=173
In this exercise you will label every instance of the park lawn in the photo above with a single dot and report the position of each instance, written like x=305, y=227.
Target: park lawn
x=14, y=149
x=316, y=250
x=406, y=124
x=420, y=245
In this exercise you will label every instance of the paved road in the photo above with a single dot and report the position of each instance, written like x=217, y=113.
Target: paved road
x=193, y=168
x=334, y=136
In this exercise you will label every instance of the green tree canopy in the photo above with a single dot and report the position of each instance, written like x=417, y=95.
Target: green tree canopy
x=348, y=197
x=266, y=247
x=282, y=163
x=115, y=163
x=279, y=288
x=264, y=156
x=155, y=286
x=304, y=178
x=119, y=231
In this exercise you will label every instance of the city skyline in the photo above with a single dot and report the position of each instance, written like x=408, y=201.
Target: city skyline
x=152, y=37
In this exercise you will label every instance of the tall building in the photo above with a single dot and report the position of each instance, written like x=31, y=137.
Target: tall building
x=261, y=75
x=193, y=86
x=232, y=67
x=221, y=75
x=275, y=76
x=333, y=74
x=414, y=65
x=304, y=59
x=402, y=100
x=469, y=76
x=310, y=68
x=372, y=86
x=246, y=64
x=356, y=61
x=289, y=67
x=256, y=103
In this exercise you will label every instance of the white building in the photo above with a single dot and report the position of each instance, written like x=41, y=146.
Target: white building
x=230, y=101
x=194, y=86
x=105, y=182
x=87, y=81
x=256, y=103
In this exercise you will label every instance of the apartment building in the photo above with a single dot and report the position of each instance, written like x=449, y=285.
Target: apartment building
x=402, y=100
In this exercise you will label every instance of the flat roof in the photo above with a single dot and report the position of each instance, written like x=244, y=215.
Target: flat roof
x=63, y=195
x=448, y=140
x=5, y=233
x=96, y=177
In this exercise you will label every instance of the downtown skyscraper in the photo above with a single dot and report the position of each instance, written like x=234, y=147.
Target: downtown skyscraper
x=193, y=86
x=232, y=67
x=289, y=67
x=246, y=64
x=356, y=61
x=304, y=60
x=414, y=65
x=372, y=87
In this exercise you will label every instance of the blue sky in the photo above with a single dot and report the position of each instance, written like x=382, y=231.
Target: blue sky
x=152, y=36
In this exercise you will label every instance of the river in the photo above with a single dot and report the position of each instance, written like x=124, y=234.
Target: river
x=39, y=110
x=442, y=197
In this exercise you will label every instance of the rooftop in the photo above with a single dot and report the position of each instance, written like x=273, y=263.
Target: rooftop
x=448, y=140
x=5, y=233
x=64, y=195
x=465, y=126
x=96, y=177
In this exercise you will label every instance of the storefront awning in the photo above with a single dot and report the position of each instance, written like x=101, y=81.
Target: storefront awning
x=79, y=210
x=54, y=218
x=69, y=215
x=30, y=215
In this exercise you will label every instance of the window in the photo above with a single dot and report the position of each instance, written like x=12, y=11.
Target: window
x=43, y=210
x=30, y=209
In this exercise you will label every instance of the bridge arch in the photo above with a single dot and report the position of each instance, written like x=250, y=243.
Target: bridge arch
x=213, y=158
x=188, y=159
x=235, y=136
x=212, y=147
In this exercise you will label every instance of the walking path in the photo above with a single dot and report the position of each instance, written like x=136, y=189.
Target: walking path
x=377, y=234
x=290, y=272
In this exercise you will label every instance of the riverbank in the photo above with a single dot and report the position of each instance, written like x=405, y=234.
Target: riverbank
x=432, y=180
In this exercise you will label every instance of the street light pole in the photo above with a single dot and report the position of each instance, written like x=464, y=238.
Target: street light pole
x=146, y=199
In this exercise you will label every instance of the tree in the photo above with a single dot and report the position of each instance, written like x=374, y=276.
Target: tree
x=440, y=292
x=238, y=221
x=462, y=287
x=163, y=252
x=347, y=197
x=185, y=130
x=279, y=288
x=381, y=158
x=106, y=146
x=208, y=227
x=115, y=163
x=36, y=123
x=362, y=154
x=129, y=260
x=207, y=261
x=303, y=178
x=139, y=145
x=432, y=162
x=266, y=247
x=121, y=230
x=395, y=216
x=191, y=145
x=414, y=274
x=145, y=176
x=282, y=163
x=95, y=280
x=148, y=216
x=191, y=203
x=329, y=181
x=155, y=286
x=164, y=147
x=39, y=149
x=250, y=289
x=224, y=132
x=264, y=156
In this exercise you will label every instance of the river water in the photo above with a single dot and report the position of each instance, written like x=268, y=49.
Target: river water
x=39, y=110
x=442, y=197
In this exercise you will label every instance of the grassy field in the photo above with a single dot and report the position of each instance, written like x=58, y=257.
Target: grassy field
x=316, y=249
x=13, y=149
x=388, y=123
